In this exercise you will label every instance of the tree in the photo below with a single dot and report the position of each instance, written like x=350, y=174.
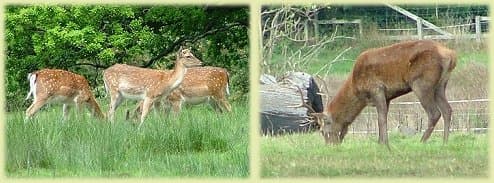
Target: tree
x=88, y=39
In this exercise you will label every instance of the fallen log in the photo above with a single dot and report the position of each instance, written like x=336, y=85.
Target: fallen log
x=278, y=116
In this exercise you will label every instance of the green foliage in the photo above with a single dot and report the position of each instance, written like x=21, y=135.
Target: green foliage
x=87, y=39
x=198, y=143
x=306, y=155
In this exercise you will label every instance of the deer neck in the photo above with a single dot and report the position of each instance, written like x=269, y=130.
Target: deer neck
x=96, y=110
x=345, y=106
x=178, y=75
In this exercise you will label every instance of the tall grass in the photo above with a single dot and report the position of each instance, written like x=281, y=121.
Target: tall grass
x=198, y=143
x=306, y=155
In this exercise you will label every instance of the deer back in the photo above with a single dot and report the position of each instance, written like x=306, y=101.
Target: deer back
x=133, y=80
x=396, y=66
x=60, y=83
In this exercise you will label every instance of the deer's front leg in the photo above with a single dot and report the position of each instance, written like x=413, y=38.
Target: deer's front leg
x=382, y=111
x=146, y=105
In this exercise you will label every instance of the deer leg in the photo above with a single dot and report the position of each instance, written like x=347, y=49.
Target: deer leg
x=137, y=111
x=35, y=106
x=427, y=100
x=444, y=108
x=94, y=108
x=221, y=103
x=382, y=105
x=334, y=135
x=65, y=111
x=80, y=110
x=224, y=103
x=344, y=131
x=176, y=107
x=115, y=101
x=215, y=104
x=156, y=106
x=146, y=105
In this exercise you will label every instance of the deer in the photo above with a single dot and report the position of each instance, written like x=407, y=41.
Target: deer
x=382, y=74
x=147, y=85
x=200, y=85
x=60, y=86
x=203, y=84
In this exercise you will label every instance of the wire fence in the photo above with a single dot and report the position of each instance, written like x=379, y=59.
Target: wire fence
x=468, y=116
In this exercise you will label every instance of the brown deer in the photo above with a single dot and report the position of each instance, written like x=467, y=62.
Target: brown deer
x=60, y=86
x=382, y=74
x=148, y=85
x=201, y=84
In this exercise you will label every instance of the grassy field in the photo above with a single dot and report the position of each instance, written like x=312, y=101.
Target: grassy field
x=306, y=155
x=199, y=143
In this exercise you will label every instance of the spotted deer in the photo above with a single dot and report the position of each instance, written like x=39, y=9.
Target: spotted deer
x=382, y=74
x=60, y=86
x=147, y=85
x=201, y=84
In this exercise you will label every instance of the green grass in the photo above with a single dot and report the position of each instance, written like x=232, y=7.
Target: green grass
x=306, y=155
x=466, y=52
x=198, y=143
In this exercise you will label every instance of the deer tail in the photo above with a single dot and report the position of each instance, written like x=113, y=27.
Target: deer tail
x=227, y=84
x=32, y=85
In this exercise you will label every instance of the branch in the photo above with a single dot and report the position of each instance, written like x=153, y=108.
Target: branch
x=91, y=64
x=181, y=40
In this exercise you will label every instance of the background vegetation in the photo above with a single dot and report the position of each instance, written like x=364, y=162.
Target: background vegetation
x=88, y=39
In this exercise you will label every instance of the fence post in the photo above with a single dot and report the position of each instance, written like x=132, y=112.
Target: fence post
x=306, y=32
x=316, y=26
x=360, y=28
x=478, y=31
x=419, y=28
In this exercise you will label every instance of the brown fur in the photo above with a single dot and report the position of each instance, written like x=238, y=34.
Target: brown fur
x=147, y=85
x=54, y=83
x=382, y=74
x=207, y=83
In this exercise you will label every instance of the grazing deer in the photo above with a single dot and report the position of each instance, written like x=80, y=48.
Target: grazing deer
x=201, y=84
x=382, y=74
x=59, y=86
x=148, y=85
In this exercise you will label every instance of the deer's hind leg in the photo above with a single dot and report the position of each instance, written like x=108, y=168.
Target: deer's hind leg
x=38, y=102
x=444, y=108
x=115, y=101
x=382, y=106
x=427, y=97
